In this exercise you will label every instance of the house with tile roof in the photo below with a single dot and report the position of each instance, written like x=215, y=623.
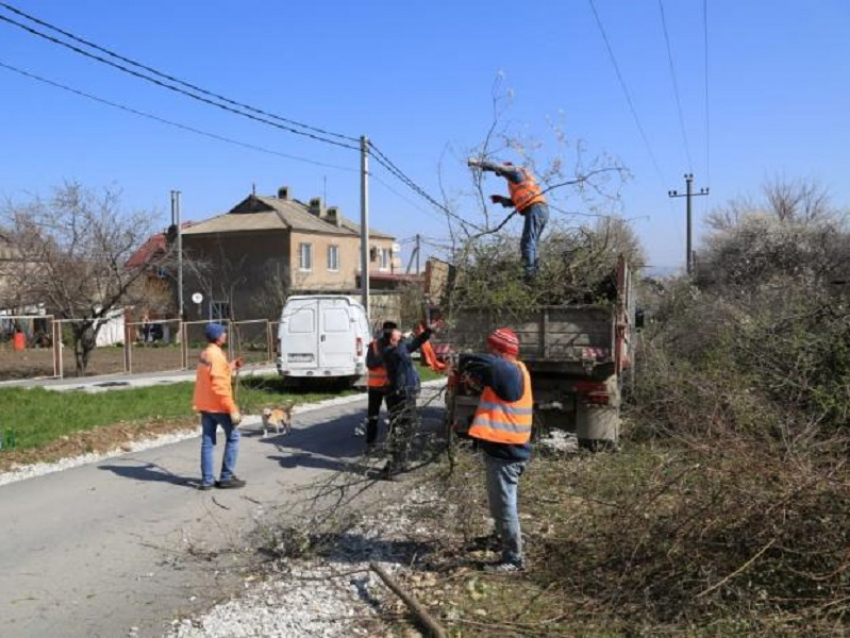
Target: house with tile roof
x=248, y=260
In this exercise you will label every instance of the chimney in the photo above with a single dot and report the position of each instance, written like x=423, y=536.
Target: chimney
x=333, y=216
x=317, y=208
x=283, y=193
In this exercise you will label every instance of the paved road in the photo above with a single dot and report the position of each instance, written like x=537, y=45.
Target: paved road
x=99, y=549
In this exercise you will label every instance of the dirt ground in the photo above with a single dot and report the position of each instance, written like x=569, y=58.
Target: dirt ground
x=38, y=362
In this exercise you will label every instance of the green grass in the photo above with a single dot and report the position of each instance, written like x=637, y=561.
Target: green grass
x=38, y=417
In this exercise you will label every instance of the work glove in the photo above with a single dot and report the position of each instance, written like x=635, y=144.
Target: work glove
x=501, y=199
x=238, y=363
x=236, y=418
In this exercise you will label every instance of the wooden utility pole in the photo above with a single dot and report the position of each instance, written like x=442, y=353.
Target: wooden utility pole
x=689, y=194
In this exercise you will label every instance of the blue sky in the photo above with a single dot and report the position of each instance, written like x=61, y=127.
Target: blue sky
x=418, y=79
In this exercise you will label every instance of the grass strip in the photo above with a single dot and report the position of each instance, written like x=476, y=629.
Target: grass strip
x=36, y=417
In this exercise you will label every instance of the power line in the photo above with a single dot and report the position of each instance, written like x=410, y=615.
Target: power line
x=675, y=85
x=162, y=120
x=394, y=170
x=407, y=199
x=174, y=88
x=385, y=161
x=318, y=133
x=626, y=91
x=172, y=78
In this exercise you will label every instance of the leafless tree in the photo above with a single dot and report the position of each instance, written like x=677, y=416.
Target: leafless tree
x=76, y=246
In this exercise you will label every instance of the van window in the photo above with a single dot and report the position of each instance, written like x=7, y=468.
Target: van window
x=336, y=320
x=303, y=320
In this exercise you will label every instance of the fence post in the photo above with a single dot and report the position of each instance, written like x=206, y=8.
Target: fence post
x=269, y=342
x=128, y=354
x=184, y=346
x=56, y=330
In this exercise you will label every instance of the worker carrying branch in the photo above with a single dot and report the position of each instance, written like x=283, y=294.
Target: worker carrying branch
x=528, y=199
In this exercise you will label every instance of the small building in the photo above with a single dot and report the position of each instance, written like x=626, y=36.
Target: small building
x=248, y=260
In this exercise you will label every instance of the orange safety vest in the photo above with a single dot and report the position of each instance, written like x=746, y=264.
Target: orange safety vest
x=377, y=377
x=501, y=421
x=526, y=193
x=213, y=389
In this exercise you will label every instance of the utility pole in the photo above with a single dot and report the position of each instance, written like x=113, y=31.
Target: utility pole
x=417, y=253
x=689, y=194
x=364, y=222
x=175, y=220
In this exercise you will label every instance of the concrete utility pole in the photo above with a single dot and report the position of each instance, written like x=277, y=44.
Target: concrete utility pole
x=689, y=194
x=364, y=222
x=175, y=220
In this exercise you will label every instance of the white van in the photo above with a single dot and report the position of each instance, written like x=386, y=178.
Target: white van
x=323, y=336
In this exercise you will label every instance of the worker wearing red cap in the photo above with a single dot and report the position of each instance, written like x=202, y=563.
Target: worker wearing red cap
x=527, y=198
x=502, y=428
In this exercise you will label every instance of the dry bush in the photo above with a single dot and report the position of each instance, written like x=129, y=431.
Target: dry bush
x=734, y=514
x=715, y=532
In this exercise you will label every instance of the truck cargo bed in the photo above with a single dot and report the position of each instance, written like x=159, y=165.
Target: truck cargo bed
x=548, y=335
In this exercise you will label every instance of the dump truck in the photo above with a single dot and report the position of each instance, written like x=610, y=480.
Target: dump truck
x=578, y=357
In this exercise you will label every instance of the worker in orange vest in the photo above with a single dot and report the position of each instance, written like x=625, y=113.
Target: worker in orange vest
x=526, y=196
x=378, y=382
x=502, y=428
x=213, y=398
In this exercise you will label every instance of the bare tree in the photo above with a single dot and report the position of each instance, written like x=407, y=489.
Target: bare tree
x=77, y=244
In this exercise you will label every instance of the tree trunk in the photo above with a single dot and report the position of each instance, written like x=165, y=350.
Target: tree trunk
x=85, y=339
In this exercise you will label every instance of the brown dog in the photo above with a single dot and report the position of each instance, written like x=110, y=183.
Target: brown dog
x=280, y=418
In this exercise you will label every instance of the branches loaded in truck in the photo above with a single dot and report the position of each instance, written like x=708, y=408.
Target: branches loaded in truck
x=577, y=356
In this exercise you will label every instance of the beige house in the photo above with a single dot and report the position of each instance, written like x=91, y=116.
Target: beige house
x=248, y=260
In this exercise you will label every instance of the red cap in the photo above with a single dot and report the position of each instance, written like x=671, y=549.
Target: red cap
x=504, y=340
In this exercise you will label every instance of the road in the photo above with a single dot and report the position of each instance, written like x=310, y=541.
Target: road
x=121, y=547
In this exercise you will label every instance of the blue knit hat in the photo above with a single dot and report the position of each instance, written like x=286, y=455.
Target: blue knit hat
x=213, y=331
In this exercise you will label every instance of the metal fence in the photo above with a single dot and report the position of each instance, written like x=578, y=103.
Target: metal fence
x=157, y=346
x=27, y=347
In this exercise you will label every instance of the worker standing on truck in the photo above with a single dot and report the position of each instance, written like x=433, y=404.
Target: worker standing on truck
x=502, y=428
x=378, y=382
x=404, y=386
x=528, y=199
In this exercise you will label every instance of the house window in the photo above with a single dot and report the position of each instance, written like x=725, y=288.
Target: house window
x=305, y=256
x=386, y=259
x=333, y=257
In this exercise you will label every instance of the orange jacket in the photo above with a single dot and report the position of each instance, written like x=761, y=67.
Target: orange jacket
x=428, y=352
x=377, y=377
x=526, y=192
x=501, y=421
x=213, y=390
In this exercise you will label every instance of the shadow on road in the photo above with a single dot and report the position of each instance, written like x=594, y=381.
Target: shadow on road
x=305, y=459
x=149, y=472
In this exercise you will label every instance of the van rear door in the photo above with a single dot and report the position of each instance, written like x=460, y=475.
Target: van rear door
x=299, y=334
x=337, y=334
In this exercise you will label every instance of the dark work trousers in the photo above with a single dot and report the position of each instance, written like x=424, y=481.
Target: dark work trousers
x=403, y=425
x=376, y=398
